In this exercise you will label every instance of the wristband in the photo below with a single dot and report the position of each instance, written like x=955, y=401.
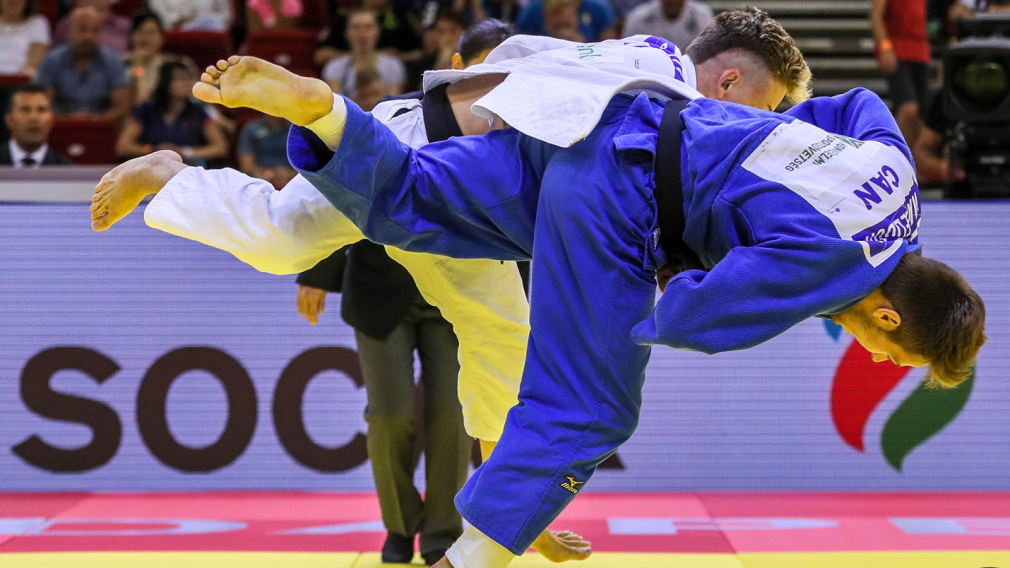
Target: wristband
x=885, y=45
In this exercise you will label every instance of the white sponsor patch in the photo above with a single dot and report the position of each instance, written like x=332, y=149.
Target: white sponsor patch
x=867, y=189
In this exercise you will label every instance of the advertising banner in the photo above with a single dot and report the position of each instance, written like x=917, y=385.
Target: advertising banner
x=133, y=360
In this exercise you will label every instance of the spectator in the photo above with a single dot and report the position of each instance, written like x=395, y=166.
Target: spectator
x=115, y=32
x=24, y=37
x=85, y=77
x=902, y=41
x=370, y=89
x=362, y=37
x=211, y=15
x=441, y=40
x=172, y=121
x=396, y=33
x=574, y=20
x=273, y=14
x=147, y=57
x=29, y=119
x=263, y=151
x=678, y=21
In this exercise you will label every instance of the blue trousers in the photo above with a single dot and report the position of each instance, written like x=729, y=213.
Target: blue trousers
x=586, y=215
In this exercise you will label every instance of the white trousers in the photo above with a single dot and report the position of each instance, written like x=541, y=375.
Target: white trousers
x=289, y=231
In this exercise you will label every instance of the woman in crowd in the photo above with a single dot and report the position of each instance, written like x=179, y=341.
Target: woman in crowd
x=24, y=37
x=172, y=121
x=147, y=36
x=362, y=37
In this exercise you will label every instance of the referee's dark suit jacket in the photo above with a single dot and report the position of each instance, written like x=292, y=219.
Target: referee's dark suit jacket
x=376, y=290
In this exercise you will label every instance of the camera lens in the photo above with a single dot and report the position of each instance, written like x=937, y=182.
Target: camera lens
x=982, y=82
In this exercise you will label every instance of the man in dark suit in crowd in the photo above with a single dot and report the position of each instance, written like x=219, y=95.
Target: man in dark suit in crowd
x=391, y=320
x=29, y=118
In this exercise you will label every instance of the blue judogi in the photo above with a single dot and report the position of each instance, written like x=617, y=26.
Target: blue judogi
x=792, y=220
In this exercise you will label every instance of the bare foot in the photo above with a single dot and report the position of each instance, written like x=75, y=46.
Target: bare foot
x=562, y=546
x=260, y=85
x=122, y=189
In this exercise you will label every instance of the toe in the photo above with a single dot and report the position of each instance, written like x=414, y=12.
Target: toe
x=207, y=93
x=222, y=65
x=213, y=72
x=234, y=59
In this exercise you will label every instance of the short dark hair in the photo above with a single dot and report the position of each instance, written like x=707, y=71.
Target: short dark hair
x=754, y=31
x=942, y=318
x=482, y=36
x=29, y=88
x=162, y=95
x=142, y=16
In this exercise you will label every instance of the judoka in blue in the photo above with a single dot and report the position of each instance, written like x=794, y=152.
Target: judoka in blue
x=795, y=215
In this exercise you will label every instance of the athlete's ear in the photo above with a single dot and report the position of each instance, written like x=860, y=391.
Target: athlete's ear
x=457, y=61
x=886, y=319
x=727, y=80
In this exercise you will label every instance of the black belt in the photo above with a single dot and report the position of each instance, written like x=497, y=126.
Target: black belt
x=439, y=121
x=670, y=190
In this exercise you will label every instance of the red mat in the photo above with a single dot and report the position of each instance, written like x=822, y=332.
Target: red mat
x=707, y=522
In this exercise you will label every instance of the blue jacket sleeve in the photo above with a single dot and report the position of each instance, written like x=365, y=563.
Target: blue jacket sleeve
x=858, y=114
x=758, y=292
x=466, y=197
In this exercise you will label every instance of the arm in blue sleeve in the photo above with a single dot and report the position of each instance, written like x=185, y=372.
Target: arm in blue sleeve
x=858, y=114
x=758, y=292
x=466, y=197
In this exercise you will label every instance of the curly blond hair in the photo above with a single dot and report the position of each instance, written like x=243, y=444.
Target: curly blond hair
x=753, y=30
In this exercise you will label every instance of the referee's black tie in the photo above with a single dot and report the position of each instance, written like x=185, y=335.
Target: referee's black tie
x=28, y=162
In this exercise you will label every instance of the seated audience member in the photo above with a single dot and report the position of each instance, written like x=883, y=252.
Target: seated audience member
x=24, y=37
x=370, y=89
x=115, y=30
x=172, y=121
x=362, y=37
x=679, y=21
x=273, y=14
x=29, y=119
x=85, y=77
x=263, y=151
x=145, y=60
x=209, y=15
x=441, y=39
x=574, y=20
x=396, y=33
x=931, y=152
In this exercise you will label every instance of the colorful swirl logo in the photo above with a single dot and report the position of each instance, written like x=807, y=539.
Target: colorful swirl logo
x=860, y=385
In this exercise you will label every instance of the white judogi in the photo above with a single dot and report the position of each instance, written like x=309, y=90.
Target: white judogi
x=572, y=82
x=289, y=231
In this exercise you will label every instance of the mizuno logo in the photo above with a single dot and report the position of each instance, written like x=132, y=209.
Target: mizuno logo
x=571, y=483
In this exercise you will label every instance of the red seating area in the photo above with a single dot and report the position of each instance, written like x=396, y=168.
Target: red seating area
x=293, y=49
x=85, y=140
x=203, y=47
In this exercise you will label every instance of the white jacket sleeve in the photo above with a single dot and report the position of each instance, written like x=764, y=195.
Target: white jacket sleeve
x=280, y=232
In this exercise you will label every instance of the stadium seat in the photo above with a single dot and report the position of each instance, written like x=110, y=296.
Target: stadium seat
x=8, y=81
x=50, y=9
x=203, y=47
x=85, y=140
x=128, y=7
x=315, y=15
x=293, y=49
